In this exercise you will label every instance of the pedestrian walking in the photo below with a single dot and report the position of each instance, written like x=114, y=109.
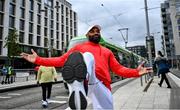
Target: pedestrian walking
x=163, y=68
x=92, y=62
x=46, y=76
x=5, y=75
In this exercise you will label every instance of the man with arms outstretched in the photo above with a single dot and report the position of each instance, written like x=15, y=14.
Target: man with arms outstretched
x=92, y=62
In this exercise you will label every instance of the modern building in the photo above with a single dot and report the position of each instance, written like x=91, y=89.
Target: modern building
x=38, y=23
x=170, y=14
x=139, y=50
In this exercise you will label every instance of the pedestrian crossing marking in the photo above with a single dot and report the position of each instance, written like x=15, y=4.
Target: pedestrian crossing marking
x=55, y=101
x=14, y=94
x=62, y=97
x=2, y=97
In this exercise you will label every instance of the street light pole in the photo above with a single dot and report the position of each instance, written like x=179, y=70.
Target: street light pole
x=148, y=33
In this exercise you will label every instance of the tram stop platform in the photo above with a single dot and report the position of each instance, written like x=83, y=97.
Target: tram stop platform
x=131, y=96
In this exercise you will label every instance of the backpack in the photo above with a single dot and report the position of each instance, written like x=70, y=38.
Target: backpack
x=4, y=71
x=163, y=66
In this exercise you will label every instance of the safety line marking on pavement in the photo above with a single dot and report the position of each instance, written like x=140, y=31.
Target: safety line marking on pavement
x=2, y=97
x=14, y=94
x=66, y=97
x=55, y=101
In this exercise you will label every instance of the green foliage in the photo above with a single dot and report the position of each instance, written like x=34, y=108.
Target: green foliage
x=11, y=43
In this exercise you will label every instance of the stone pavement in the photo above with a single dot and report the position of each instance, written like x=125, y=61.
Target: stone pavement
x=132, y=97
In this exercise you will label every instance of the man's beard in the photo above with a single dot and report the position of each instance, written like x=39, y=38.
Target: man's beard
x=95, y=39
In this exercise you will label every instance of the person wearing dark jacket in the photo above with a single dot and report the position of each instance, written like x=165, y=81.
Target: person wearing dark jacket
x=163, y=68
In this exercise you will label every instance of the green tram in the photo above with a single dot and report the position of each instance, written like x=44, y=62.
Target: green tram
x=124, y=56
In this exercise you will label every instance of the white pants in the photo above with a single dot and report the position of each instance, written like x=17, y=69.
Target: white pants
x=100, y=95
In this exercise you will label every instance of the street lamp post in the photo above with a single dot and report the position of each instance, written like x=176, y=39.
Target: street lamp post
x=148, y=33
x=48, y=3
x=125, y=39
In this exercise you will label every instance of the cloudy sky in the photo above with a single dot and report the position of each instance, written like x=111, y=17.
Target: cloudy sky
x=112, y=15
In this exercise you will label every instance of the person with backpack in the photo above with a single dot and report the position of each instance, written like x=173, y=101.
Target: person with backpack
x=163, y=68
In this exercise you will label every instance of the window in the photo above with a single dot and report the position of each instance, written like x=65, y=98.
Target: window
x=57, y=35
x=57, y=16
x=38, y=19
x=22, y=13
x=38, y=40
x=31, y=4
x=45, y=21
x=57, y=44
x=22, y=3
x=71, y=31
x=39, y=8
x=46, y=11
x=52, y=24
x=70, y=13
x=52, y=14
x=45, y=42
x=67, y=11
x=62, y=37
x=62, y=28
x=52, y=33
x=67, y=30
x=57, y=4
x=31, y=27
x=62, y=9
x=74, y=16
x=66, y=21
x=31, y=16
x=1, y=18
x=21, y=37
x=57, y=26
x=30, y=39
x=62, y=19
x=38, y=30
x=21, y=25
x=45, y=31
x=12, y=9
x=52, y=42
x=11, y=21
x=70, y=23
x=1, y=5
x=1, y=32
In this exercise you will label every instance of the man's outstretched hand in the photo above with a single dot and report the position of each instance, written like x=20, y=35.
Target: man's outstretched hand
x=144, y=70
x=30, y=57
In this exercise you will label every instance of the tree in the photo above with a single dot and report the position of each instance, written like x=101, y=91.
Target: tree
x=11, y=42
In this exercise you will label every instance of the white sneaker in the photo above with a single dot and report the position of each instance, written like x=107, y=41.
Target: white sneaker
x=44, y=104
x=74, y=73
